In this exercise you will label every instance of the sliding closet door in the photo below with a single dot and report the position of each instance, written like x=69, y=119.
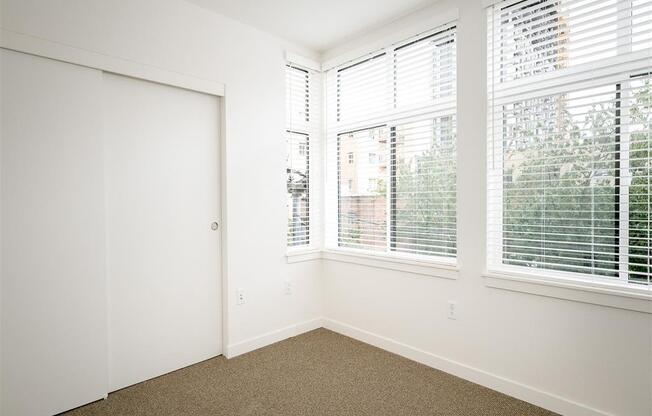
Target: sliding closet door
x=162, y=178
x=54, y=326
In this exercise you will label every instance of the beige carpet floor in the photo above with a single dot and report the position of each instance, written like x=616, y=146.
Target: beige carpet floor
x=314, y=374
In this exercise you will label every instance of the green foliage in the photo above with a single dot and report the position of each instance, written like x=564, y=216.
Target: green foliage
x=640, y=189
x=426, y=196
x=560, y=187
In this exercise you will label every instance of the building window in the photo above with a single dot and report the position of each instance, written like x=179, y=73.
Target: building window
x=569, y=141
x=373, y=185
x=395, y=116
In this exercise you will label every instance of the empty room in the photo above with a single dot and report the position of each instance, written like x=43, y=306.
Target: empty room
x=326, y=207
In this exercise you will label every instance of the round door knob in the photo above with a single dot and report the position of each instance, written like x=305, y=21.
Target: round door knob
x=214, y=225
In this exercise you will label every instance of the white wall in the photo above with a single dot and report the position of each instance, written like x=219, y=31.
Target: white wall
x=178, y=36
x=595, y=356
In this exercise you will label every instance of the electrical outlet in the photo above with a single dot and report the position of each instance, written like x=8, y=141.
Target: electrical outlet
x=240, y=296
x=288, y=287
x=452, y=310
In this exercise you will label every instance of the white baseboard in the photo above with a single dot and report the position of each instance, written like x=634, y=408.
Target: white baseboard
x=506, y=386
x=509, y=387
x=260, y=341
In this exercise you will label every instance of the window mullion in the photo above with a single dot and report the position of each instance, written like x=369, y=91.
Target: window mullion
x=392, y=189
x=390, y=176
x=625, y=177
x=623, y=173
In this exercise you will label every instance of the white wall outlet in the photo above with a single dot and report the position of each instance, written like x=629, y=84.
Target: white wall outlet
x=240, y=296
x=452, y=310
x=288, y=287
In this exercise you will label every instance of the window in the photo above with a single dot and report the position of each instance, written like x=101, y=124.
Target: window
x=373, y=185
x=301, y=135
x=363, y=212
x=394, y=114
x=570, y=135
x=357, y=98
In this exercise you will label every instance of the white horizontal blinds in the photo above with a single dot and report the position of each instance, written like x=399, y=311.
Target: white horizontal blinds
x=637, y=194
x=302, y=138
x=362, y=89
x=392, y=149
x=297, y=98
x=538, y=36
x=362, y=188
x=570, y=138
x=423, y=200
x=424, y=72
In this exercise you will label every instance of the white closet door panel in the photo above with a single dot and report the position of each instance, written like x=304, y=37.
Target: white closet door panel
x=54, y=326
x=163, y=257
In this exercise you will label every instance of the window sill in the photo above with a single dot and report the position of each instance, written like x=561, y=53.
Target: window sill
x=418, y=267
x=604, y=294
x=301, y=255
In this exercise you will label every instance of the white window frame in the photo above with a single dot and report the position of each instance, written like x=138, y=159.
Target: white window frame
x=567, y=285
x=314, y=151
x=445, y=267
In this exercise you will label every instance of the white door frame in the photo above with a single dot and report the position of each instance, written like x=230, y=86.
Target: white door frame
x=20, y=42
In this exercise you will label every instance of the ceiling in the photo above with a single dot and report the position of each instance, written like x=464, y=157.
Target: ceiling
x=318, y=25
